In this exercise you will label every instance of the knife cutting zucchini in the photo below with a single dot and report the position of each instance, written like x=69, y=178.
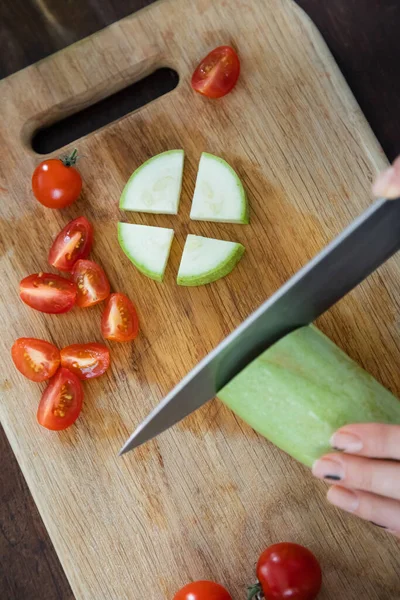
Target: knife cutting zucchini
x=302, y=389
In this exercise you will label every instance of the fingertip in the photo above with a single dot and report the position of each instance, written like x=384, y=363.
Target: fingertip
x=378, y=440
x=387, y=183
x=347, y=441
x=328, y=467
x=343, y=498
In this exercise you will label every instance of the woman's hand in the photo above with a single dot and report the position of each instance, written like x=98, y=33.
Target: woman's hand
x=368, y=469
x=368, y=466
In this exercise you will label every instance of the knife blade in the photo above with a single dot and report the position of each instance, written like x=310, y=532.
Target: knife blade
x=365, y=245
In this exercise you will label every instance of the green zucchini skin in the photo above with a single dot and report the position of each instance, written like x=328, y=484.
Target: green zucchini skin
x=302, y=389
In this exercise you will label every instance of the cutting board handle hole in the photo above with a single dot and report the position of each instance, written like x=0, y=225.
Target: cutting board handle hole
x=61, y=133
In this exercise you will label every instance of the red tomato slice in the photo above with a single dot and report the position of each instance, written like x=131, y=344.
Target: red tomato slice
x=56, y=183
x=48, y=293
x=35, y=359
x=120, y=322
x=61, y=402
x=217, y=73
x=203, y=590
x=86, y=360
x=288, y=570
x=72, y=243
x=92, y=282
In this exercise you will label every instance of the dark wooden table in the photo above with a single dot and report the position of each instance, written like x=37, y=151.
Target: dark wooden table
x=363, y=36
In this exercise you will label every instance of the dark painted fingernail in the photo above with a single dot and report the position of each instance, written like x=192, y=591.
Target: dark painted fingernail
x=377, y=525
x=328, y=468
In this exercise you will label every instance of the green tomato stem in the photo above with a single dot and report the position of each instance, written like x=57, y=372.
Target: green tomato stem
x=70, y=159
x=255, y=592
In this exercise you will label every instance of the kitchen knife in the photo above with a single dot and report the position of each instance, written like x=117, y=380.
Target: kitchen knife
x=366, y=244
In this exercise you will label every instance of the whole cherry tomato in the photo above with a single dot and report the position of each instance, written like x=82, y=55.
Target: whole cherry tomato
x=56, y=183
x=203, y=590
x=285, y=571
x=217, y=73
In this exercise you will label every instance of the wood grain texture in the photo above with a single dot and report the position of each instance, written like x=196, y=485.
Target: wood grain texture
x=187, y=497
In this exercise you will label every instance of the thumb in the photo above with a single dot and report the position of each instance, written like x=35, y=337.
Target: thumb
x=387, y=184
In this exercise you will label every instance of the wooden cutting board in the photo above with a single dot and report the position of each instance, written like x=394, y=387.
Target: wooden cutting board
x=206, y=497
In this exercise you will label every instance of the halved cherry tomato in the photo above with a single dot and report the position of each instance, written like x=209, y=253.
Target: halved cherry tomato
x=72, y=243
x=203, y=590
x=48, y=293
x=120, y=322
x=61, y=402
x=217, y=73
x=56, y=183
x=288, y=570
x=86, y=360
x=38, y=360
x=92, y=282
